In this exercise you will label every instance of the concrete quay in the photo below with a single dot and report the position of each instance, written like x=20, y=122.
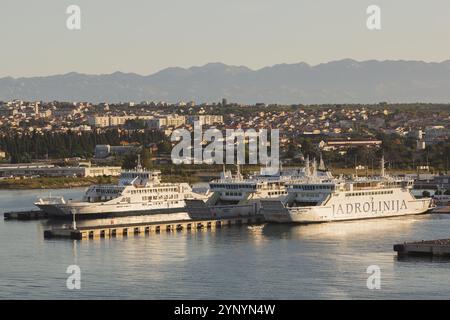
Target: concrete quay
x=110, y=231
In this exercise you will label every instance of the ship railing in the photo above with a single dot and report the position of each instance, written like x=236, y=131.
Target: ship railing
x=381, y=179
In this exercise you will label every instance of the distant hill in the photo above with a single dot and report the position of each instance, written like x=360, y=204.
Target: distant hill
x=344, y=81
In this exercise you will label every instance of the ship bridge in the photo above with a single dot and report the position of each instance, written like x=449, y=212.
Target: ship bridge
x=139, y=177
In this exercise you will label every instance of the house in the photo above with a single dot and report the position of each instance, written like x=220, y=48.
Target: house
x=104, y=150
x=344, y=144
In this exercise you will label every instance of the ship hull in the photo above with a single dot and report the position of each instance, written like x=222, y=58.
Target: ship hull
x=197, y=209
x=277, y=212
x=65, y=211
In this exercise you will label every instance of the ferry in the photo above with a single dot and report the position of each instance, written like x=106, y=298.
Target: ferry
x=317, y=199
x=234, y=195
x=442, y=197
x=138, y=192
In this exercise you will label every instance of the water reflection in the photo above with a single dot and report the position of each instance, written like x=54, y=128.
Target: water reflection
x=114, y=220
x=343, y=229
x=423, y=258
x=324, y=261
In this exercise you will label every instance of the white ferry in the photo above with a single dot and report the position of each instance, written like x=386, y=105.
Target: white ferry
x=234, y=195
x=139, y=192
x=324, y=200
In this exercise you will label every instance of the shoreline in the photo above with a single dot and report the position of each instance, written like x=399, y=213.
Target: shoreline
x=44, y=183
x=51, y=183
x=79, y=182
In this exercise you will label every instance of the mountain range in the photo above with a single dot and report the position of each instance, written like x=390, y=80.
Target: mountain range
x=343, y=81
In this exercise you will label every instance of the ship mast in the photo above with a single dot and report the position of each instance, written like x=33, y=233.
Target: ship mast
x=314, y=172
x=239, y=175
x=139, y=166
x=307, y=168
x=321, y=164
x=382, y=167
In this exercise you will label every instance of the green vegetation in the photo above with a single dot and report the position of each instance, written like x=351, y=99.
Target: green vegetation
x=53, y=183
x=400, y=153
x=28, y=146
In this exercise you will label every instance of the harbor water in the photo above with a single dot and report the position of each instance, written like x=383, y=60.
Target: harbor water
x=325, y=261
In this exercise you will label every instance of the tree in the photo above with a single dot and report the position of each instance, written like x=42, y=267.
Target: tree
x=129, y=161
x=146, y=158
x=164, y=147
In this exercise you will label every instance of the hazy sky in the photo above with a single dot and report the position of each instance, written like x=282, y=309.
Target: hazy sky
x=145, y=36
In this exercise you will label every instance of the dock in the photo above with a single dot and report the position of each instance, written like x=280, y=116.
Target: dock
x=424, y=248
x=25, y=215
x=442, y=210
x=135, y=229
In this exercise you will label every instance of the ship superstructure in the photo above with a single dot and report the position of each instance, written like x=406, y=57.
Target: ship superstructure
x=138, y=192
x=234, y=195
x=318, y=199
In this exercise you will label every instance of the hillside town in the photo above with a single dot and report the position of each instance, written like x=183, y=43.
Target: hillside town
x=333, y=121
x=111, y=135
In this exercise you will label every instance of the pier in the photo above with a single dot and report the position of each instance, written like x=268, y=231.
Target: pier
x=441, y=210
x=135, y=229
x=424, y=248
x=25, y=215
